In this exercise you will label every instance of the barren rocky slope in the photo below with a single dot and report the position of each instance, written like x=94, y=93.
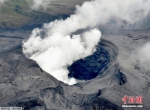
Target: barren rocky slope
x=24, y=84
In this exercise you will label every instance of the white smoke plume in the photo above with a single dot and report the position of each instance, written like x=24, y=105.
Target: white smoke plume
x=37, y=4
x=54, y=53
x=34, y=4
x=54, y=47
x=142, y=59
x=2, y=2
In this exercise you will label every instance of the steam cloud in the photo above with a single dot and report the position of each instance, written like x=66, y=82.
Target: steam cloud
x=54, y=47
x=142, y=59
x=2, y=1
x=37, y=4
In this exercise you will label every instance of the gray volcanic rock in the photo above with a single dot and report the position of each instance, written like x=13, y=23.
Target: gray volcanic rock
x=102, y=104
x=24, y=83
x=129, y=41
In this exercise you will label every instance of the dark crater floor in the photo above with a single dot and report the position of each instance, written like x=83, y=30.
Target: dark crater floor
x=89, y=67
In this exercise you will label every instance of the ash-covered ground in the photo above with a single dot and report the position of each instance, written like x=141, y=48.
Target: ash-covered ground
x=24, y=83
x=103, y=78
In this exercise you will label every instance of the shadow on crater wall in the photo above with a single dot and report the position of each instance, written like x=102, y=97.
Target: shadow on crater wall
x=91, y=66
